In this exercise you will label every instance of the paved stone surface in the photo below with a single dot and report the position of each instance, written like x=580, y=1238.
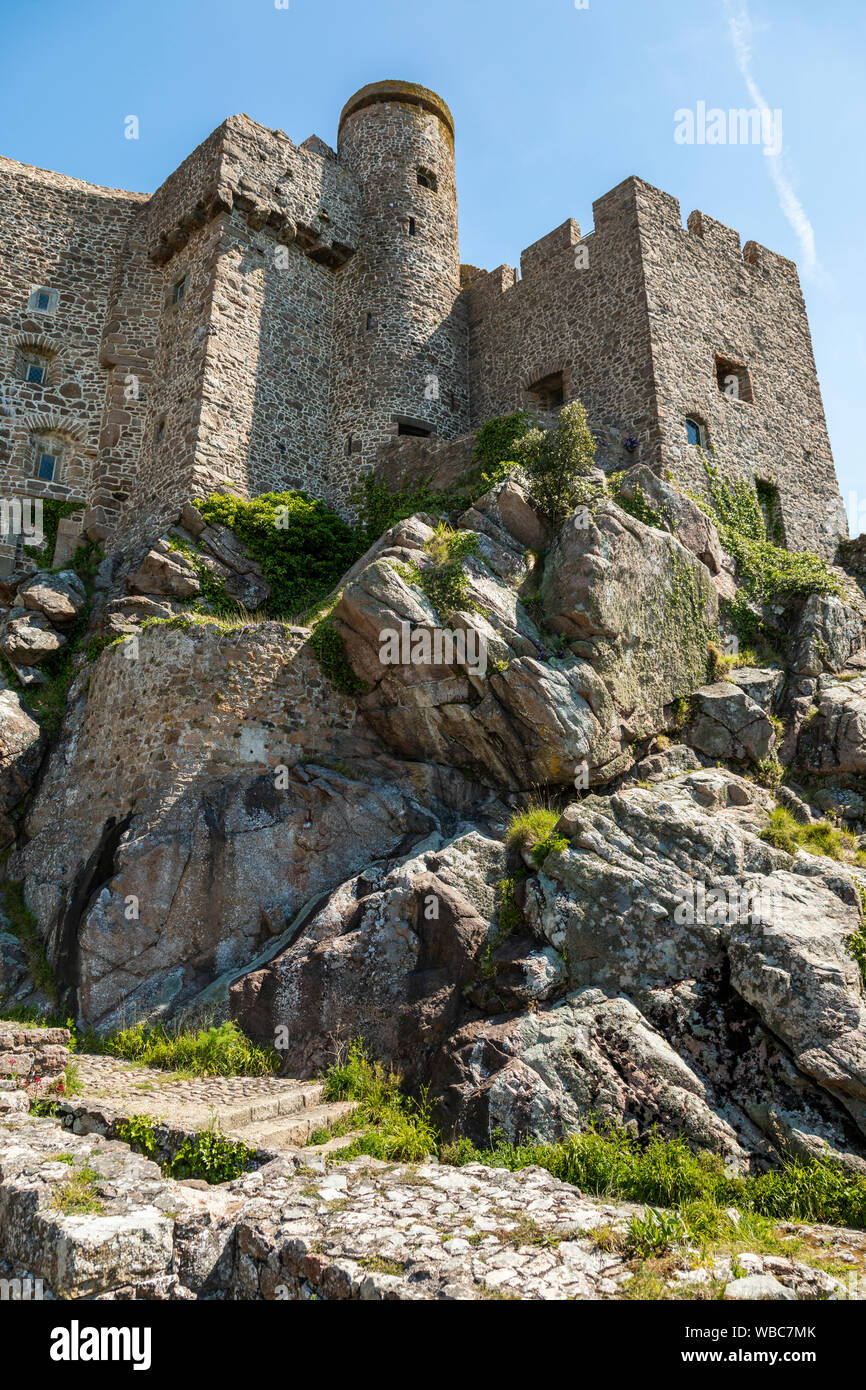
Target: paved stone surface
x=296, y=1229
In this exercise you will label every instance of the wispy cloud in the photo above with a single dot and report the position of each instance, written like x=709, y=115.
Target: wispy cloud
x=740, y=31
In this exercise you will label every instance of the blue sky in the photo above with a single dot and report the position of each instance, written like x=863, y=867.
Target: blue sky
x=553, y=105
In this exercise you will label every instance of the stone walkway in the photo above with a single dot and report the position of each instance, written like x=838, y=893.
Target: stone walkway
x=267, y=1112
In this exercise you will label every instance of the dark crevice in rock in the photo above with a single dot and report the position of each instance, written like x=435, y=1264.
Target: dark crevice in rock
x=88, y=883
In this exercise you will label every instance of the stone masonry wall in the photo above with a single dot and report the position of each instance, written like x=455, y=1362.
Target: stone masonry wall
x=64, y=235
x=709, y=301
x=585, y=320
x=321, y=302
x=400, y=323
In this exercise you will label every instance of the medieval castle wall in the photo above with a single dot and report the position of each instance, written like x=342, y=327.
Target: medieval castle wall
x=278, y=316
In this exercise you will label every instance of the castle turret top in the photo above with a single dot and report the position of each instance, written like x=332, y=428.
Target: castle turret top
x=408, y=92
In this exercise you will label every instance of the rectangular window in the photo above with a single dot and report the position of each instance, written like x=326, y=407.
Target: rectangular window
x=46, y=467
x=371, y=323
x=411, y=226
x=179, y=290
x=35, y=372
x=43, y=300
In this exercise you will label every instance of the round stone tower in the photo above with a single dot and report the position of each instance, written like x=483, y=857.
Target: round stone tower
x=400, y=333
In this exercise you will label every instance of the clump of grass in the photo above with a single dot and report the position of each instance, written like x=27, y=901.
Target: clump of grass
x=610, y=1162
x=78, y=1196
x=785, y=833
x=216, y=1051
x=445, y=582
x=398, y=1128
x=534, y=830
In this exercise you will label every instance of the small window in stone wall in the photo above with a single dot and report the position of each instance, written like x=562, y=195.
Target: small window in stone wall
x=414, y=428
x=47, y=467
x=549, y=393
x=695, y=432
x=159, y=432
x=43, y=300
x=412, y=228
x=371, y=322
x=733, y=379
x=179, y=290
x=427, y=179
x=33, y=367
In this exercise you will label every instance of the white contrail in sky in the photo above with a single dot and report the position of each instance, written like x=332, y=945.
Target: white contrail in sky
x=740, y=29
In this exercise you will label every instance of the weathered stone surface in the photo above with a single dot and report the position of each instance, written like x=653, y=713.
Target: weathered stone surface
x=828, y=633
x=758, y=1288
x=29, y=638
x=729, y=724
x=22, y=745
x=762, y=685
x=677, y=513
x=507, y=508
x=169, y=573
x=524, y=721
x=636, y=605
x=386, y=958
x=31, y=1054
x=832, y=738
x=295, y=1229
x=59, y=595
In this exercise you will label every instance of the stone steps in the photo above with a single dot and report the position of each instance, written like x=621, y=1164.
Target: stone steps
x=293, y=1131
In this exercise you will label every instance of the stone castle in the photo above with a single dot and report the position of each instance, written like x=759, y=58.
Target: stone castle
x=278, y=315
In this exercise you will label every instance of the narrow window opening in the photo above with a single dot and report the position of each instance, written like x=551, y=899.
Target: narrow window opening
x=412, y=427
x=411, y=226
x=695, y=432
x=47, y=465
x=371, y=323
x=43, y=300
x=159, y=432
x=549, y=393
x=180, y=290
x=733, y=379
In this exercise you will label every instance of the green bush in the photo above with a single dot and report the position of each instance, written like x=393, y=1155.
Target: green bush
x=445, y=583
x=211, y=1156
x=303, y=547
x=380, y=507
x=329, y=649
x=496, y=439
x=555, y=461
x=534, y=829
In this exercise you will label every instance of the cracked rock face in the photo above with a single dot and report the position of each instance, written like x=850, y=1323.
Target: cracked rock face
x=671, y=969
x=832, y=738
x=632, y=604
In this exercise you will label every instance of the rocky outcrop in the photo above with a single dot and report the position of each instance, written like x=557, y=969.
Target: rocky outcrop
x=828, y=633
x=669, y=968
x=165, y=572
x=612, y=589
x=29, y=638
x=728, y=723
x=58, y=594
x=636, y=605
x=386, y=958
x=832, y=736
x=22, y=746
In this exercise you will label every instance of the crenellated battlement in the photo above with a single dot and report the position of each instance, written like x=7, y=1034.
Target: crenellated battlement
x=279, y=315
